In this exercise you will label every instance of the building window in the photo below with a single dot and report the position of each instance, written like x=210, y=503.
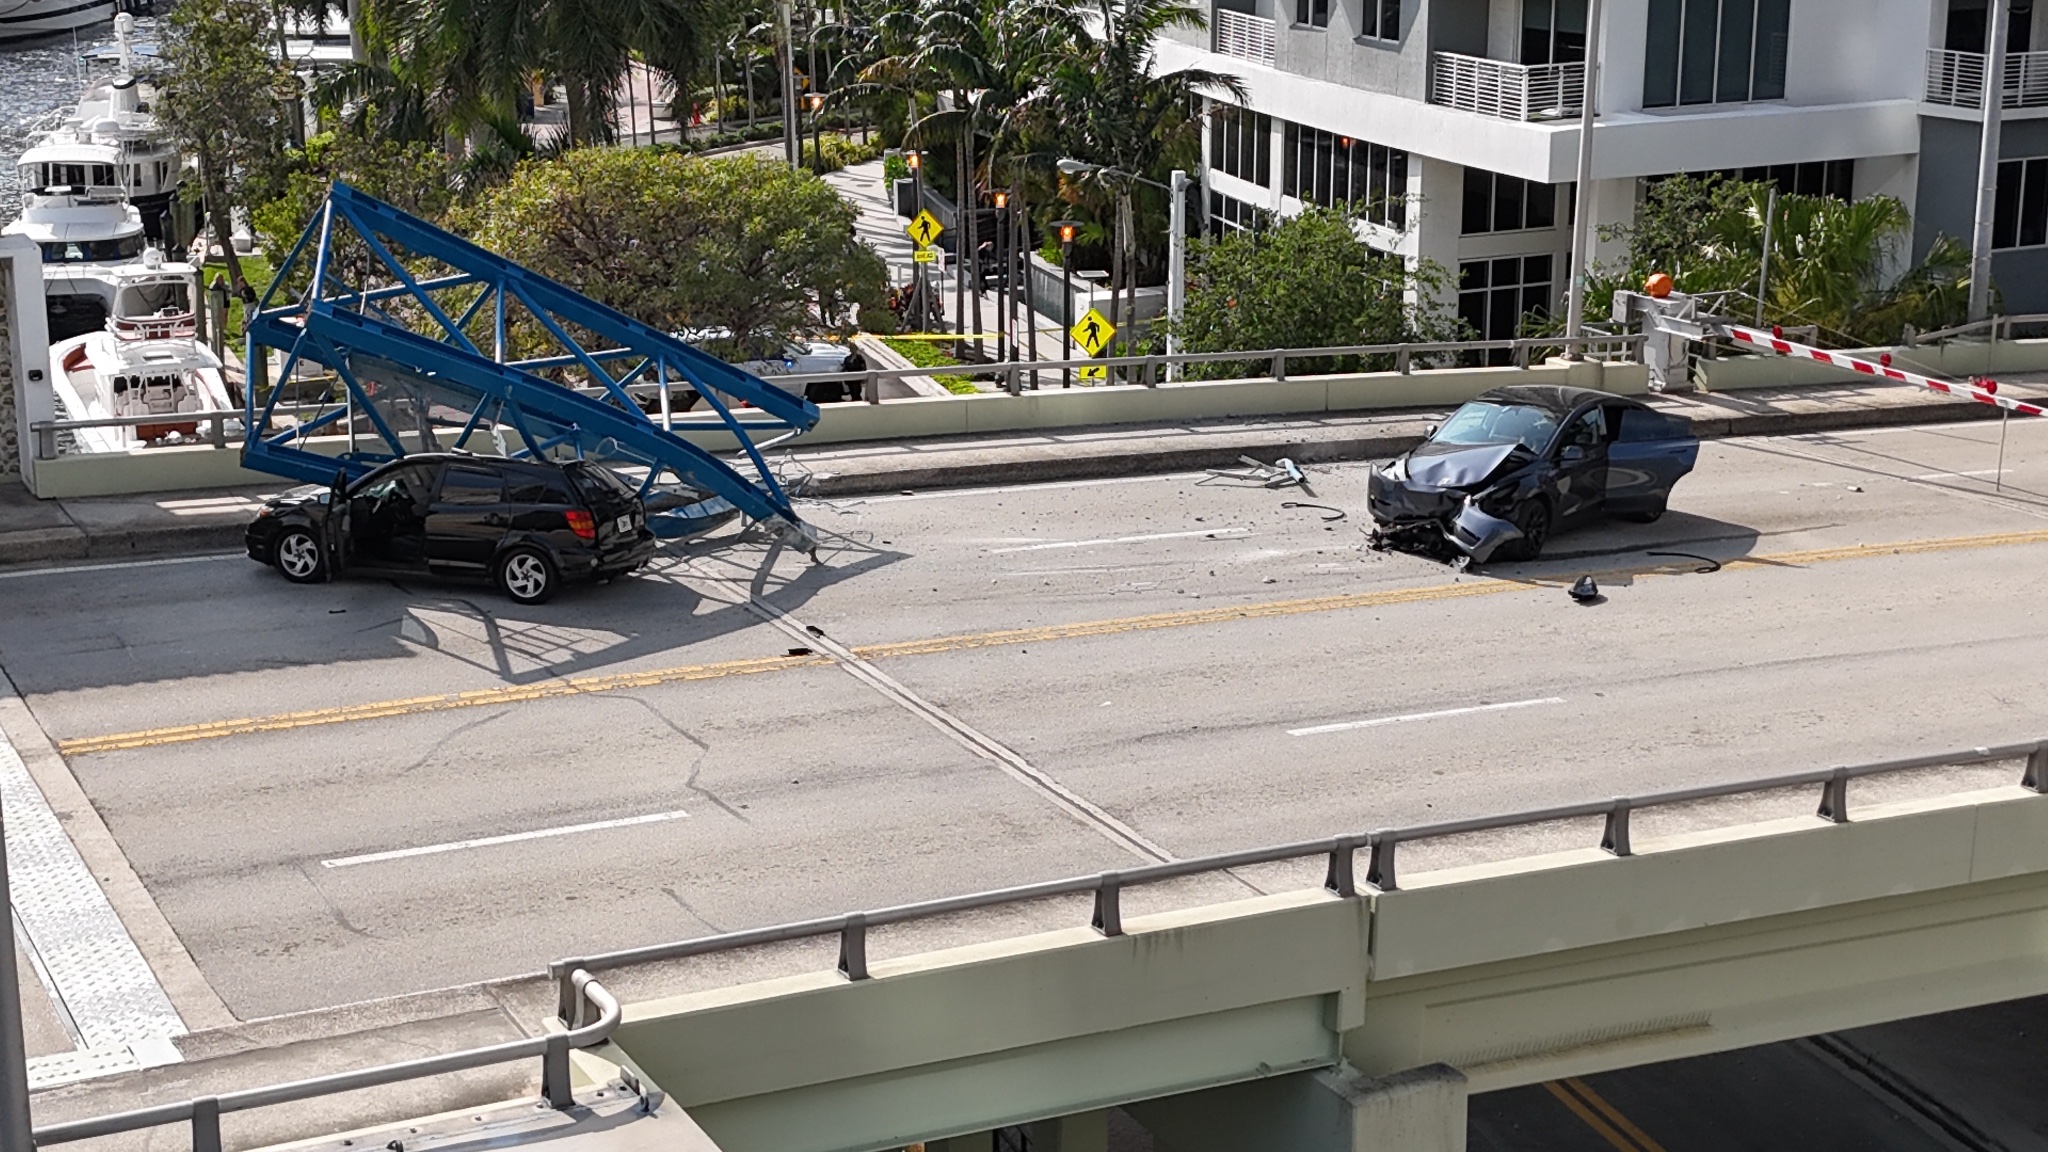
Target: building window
x=1496, y=203
x=1370, y=180
x=1969, y=26
x=1835, y=178
x=1229, y=214
x=1494, y=296
x=1241, y=143
x=1312, y=13
x=1380, y=20
x=1553, y=31
x=2021, y=220
x=1715, y=51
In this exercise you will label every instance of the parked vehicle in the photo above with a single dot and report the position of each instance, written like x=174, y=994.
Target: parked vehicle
x=527, y=526
x=1518, y=463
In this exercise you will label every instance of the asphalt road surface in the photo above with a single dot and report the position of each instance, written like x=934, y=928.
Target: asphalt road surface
x=349, y=791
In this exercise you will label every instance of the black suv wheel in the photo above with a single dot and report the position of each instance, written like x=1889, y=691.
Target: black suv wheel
x=527, y=575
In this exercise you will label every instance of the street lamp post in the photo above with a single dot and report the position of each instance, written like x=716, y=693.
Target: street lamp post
x=1067, y=229
x=1996, y=34
x=917, y=294
x=792, y=136
x=816, y=101
x=1176, y=240
x=1002, y=285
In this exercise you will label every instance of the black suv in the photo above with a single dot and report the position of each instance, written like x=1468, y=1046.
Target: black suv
x=526, y=525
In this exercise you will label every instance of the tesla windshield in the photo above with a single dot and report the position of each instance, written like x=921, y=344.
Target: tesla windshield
x=1483, y=423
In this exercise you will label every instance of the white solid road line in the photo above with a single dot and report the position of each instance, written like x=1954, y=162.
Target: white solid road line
x=942, y=493
x=493, y=841
x=1219, y=533
x=1949, y=475
x=112, y=565
x=1414, y=716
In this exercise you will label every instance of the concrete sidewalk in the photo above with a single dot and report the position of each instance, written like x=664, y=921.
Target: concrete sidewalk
x=112, y=528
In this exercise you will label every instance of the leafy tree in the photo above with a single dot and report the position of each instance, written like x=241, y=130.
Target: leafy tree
x=218, y=97
x=413, y=176
x=1307, y=281
x=738, y=245
x=1831, y=264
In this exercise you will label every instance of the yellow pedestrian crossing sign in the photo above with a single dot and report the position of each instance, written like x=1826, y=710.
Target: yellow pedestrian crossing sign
x=1092, y=332
x=924, y=229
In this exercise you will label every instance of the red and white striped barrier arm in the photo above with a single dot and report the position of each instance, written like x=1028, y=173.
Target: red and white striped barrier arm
x=1983, y=391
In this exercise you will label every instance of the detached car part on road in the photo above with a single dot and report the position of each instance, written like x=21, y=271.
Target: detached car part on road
x=1518, y=463
x=527, y=526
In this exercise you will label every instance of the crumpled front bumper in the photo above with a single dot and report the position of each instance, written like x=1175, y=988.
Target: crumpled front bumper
x=1406, y=509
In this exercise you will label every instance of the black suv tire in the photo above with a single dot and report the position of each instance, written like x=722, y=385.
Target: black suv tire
x=527, y=575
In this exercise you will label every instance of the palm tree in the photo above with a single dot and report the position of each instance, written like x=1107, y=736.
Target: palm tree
x=1114, y=109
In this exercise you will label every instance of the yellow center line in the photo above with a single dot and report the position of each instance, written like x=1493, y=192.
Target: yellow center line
x=1592, y=1119
x=1585, y=1092
x=591, y=685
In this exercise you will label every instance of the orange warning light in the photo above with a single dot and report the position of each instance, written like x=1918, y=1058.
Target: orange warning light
x=1658, y=285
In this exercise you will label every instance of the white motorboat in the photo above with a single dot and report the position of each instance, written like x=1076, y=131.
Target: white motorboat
x=34, y=19
x=147, y=361
x=116, y=112
x=78, y=213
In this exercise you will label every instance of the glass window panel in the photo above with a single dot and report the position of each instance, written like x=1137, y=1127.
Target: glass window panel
x=1773, y=46
x=1738, y=35
x=1390, y=20
x=2034, y=205
x=1568, y=45
x=1536, y=300
x=1321, y=193
x=1289, y=161
x=1542, y=211
x=1397, y=182
x=1472, y=310
x=1471, y=275
x=1536, y=269
x=1660, y=57
x=1536, y=31
x=1376, y=183
x=2005, y=225
x=1478, y=201
x=1507, y=204
x=1507, y=271
x=1263, y=131
x=1696, y=52
x=1503, y=313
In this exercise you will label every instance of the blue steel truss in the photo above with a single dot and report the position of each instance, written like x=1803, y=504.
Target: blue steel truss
x=419, y=355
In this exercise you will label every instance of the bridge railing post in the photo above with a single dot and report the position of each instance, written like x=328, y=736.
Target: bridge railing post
x=1379, y=867
x=1340, y=877
x=853, y=947
x=1109, y=909
x=2035, y=779
x=1615, y=838
x=1834, y=797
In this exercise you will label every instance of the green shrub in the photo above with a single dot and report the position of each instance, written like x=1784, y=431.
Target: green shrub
x=895, y=167
x=927, y=354
x=841, y=152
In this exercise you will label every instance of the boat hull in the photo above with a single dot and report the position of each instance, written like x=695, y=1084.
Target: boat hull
x=35, y=19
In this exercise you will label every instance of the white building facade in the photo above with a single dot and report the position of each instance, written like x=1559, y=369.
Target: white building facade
x=1462, y=118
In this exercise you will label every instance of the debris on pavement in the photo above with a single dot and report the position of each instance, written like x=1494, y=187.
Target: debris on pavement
x=1282, y=473
x=1585, y=590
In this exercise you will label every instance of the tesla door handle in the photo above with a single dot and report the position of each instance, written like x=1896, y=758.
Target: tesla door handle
x=497, y=520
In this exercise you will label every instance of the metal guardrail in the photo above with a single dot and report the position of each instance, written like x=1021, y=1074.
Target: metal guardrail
x=1339, y=875
x=204, y=1113
x=1506, y=90
x=1999, y=327
x=1245, y=36
x=1147, y=370
x=46, y=431
x=1956, y=79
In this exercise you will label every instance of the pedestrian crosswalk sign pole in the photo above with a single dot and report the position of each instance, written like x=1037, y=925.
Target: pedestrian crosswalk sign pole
x=924, y=228
x=1093, y=333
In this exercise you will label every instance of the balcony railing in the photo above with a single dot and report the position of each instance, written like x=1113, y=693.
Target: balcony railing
x=1957, y=79
x=1508, y=91
x=1245, y=37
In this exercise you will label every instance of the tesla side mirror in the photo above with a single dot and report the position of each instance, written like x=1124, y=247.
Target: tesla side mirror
x=1572, y=454
x=1429, y=432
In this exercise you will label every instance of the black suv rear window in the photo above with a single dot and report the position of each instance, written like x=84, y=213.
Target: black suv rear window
x=599, y=484
x=540, y=488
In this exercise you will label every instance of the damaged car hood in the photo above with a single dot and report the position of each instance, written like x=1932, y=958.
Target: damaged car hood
x=1459, y=467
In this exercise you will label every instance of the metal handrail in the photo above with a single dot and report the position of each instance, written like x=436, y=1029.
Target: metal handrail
x=1993, y=325
x=204, y=1112
x=1148, y=367
x=1107, y=887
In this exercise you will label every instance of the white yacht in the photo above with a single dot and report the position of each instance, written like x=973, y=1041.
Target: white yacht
x=34, y=19
x=115, y=112
x=77, y=211
x=146, y=361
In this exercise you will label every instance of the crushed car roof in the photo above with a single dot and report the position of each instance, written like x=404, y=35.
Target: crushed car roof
x=1549, y=397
